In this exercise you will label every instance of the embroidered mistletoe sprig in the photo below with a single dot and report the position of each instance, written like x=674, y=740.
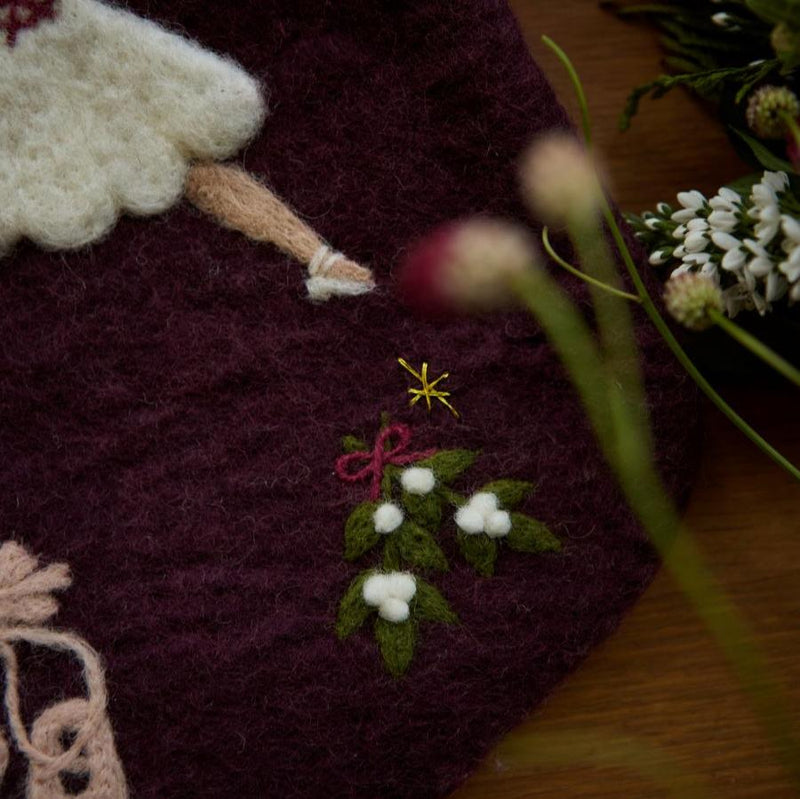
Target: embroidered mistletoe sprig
x=411, y=504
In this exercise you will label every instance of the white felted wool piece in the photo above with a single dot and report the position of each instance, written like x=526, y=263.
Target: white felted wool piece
x=484, y=503
x=387, y=518
x=469, y=520
x=498, y=524
x=402, y=585
x=101, y=113
x=418, y=480
x=375, y=589
x=393, y=609
x=321, y=289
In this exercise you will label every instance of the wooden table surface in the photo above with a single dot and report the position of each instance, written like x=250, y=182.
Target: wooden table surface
x=659, y=680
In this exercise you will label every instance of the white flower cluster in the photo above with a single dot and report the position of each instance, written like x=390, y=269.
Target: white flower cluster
x=749, y=247
x=390, y=593
x=481, y=514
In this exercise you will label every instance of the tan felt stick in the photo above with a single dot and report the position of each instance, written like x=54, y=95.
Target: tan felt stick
x=237, y=200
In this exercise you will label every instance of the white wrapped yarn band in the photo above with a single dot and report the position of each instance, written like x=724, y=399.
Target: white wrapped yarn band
x=323, y=260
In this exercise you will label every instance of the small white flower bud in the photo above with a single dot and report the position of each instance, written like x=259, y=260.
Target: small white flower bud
x=695, y=242
x=657, y=257
x=725, y=241
x=734, y=260
x=722, y=220
x=791, y=228
x=691, y=199
x=776, y=180
x=684, y=215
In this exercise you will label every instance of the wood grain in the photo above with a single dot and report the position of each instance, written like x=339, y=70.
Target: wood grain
x=660, y=679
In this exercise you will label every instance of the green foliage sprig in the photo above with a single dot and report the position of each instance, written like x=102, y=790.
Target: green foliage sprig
x=405, y=525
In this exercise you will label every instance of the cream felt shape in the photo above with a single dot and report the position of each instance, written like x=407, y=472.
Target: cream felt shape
x=101, y=113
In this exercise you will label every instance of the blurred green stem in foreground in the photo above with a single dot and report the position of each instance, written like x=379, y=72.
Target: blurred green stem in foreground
x=647, y=301
x=608, y=380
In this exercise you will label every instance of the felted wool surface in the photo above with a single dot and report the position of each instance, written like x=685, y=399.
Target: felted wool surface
x=171, y=409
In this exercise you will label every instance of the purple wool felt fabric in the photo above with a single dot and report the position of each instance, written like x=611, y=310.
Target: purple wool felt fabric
x=171, y=409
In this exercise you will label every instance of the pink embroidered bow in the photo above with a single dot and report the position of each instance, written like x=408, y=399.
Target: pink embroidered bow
x=377, y=460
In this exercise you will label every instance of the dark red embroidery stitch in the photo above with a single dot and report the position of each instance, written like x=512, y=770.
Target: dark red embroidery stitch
x=16, y=15
x=380, y=455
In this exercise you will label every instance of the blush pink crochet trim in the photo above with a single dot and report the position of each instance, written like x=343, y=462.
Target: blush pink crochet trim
x=17, y=15
x=26, y=601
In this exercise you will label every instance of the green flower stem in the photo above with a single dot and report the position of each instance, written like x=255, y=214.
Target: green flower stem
x=578, y=87
x=549, y=249
x=684, y=360
x=794, y=128
x=627, y=450
x=614, y=323
x=573, y=342
x=755, y=346
x=647, y=301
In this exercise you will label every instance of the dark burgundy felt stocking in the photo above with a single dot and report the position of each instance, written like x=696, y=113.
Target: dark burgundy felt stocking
x=172, y=409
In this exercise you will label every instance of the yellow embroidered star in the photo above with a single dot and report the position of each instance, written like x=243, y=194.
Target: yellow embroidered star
x=428, y=390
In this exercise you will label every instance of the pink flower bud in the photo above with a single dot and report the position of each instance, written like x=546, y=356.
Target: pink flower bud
x=466, y=266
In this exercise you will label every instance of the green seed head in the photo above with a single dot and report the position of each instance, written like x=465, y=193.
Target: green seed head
x=690, y=298
x=767, y=109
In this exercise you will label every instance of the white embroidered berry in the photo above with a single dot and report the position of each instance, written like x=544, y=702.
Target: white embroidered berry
x=375, y=589
x=387, y=518
x=390, y=594
x=401, y=585
x=469, y=520
x=498, y=524
x=483, y=502
x=418, y=480
x=393, y=609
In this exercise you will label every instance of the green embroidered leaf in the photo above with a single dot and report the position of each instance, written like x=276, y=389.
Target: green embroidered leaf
x=479, y=551
x=392, y=560
x=529, y=535
x=418, y=547
x=453, y=497
x=430, y=605
x=425, y=510
x=396, y=642
x=353, y=444
x=359, y=531
x=353, y=610
x=449, y=464
x=509, y=492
